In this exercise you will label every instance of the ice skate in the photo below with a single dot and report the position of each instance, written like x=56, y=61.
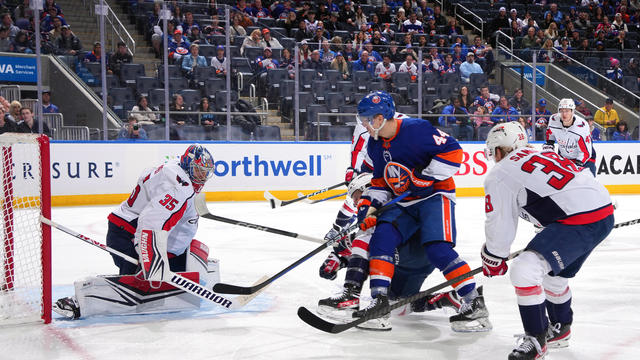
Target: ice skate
x=343, y=305
x=558, y=335
x=530, y=348
x=472, y=316
x=379, y=306
x=67, y=307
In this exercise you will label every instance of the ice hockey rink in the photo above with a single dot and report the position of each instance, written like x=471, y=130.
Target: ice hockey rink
x=605, y=303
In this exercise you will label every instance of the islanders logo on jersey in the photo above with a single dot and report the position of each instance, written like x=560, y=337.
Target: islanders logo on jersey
x=398, y=177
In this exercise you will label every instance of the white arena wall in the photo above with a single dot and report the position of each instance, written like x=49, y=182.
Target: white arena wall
x=92, y=173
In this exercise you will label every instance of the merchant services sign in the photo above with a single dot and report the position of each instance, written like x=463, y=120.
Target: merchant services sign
x=18, y=69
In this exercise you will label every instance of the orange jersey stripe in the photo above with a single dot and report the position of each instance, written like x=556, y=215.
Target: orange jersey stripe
x=381, y=267
x=378, y=182
x=457, y=272
x=446, y=184
x=454, y=156
x=446, y=218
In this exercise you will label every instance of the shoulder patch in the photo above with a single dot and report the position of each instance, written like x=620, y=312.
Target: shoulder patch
x=181, y=182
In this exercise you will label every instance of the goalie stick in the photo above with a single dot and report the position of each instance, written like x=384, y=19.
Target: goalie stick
x=627, y=223
x=317, y=322
x=176, y=280
x=245, y=290
x=275, y=202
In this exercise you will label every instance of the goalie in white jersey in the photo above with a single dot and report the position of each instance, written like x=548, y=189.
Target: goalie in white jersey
x=156, y=225
x=576, y=212
x=573, y=135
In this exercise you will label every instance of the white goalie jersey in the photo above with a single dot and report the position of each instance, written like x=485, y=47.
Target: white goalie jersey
x=574, y=142
x=542, y=188
x=163, y=199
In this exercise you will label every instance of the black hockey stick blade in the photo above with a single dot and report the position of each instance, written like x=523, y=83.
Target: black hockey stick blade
x=317, y=322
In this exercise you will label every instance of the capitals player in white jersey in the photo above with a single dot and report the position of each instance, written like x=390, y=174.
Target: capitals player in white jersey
x=573, y=135
x=576, y=212
x=159, y=214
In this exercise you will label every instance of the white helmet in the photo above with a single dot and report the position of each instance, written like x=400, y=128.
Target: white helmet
x=360, y=182
x=567, y=104
x=509, y=134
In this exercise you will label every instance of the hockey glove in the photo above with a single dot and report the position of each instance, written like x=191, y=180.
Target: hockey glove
x=350, y=174
x=491, y=264
x=366, y=207
x=400, y=179
x=153, y=255
x=341, y=247
x=331, y=266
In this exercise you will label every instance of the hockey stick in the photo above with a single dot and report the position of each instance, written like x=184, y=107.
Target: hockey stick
x=627, y=223
x=275, y=202
x=309, y=201
x=234, y=289
x=176, y=280
x=317, y=322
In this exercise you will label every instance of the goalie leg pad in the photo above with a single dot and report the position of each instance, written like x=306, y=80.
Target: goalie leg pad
x=131, y=294
x=198, y=261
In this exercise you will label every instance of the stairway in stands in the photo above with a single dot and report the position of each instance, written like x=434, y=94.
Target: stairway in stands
x=86, y=27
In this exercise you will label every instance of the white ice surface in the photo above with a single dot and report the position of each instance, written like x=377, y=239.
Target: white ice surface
x=605, y=303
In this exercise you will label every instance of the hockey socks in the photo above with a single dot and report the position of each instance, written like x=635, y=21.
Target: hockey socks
x=534, y=319
x=445, y=258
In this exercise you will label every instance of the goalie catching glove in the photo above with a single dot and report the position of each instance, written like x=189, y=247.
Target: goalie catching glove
x=491, y=264
x=152, y=249
x=400, y=179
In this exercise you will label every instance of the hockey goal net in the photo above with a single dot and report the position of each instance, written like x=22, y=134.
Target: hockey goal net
x=25, y=250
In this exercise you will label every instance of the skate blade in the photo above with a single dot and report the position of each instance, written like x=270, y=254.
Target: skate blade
x=476, y=325
x=558, y=344
x=376, y=325
x=342, y=315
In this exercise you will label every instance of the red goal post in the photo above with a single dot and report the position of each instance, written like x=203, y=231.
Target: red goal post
x=25, y=251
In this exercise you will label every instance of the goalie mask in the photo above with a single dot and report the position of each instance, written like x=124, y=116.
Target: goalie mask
x=508, y=135
x=198, y=163
x=376, y=103
x=360, y=182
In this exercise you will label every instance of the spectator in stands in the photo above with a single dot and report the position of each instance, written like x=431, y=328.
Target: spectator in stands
x=505, y=109
x=531, y=23
x=519, y=102
x=607, y=116
x=332, y=24
x=395, y=55
x=513, y=18
x=189, y=23
x=47, y=106
x=614, y=73
x=143, y=113
x=196, y=36
x=385, y=69
x=430, y=27
x=317, y=40
x=348, y=16
x=583, y=22
x=68, y=43
x=440, y=19
x=255, y=40
x=31, y=125
x=565, y=53
x=581, y=107
x=575, y=40
x=546, y=53
x=21, y=43
x=555, y=13
x=314, y=62
x=205, y=116
x=552, y=31
x=600, y=50
x=363, y=64
x=412, y=25
x=465, y=98
x=582, y=51
x=178, y=105
x=595, y=131
x=620, y=42
x=618, y=24
x=515, y=30
x=481, y=117
x=378, y=42
x=310, y=20
x=358, y=41
x=96, y=54
x=269, y=41
x=132, y=131
x=469, y=67
x=458, y=55
x=7, y=22
x=461, y=125
x=448, y=66
x=500, y=21
x=192, y=60
x=541, y=118
x=633, y=68
x=121, y=56
x=409, y=66
x=374, y=56
x=622, y=132
x=326, y=54
x=428, y=66
x=7, y=124
x=259, y=11
x=219, y=62
x=486, y=99
x=266, y=62
x=527, y=128
x=484, y=54
x=384, y=13
x=361, y=18
x=56, y=31
x=305, y=52
x=290, y=23
x=340, y=63
x=178, y=45
x=5, y=41
x=22, y=11
x=14, y=110
x=303, y=32
x=236, y=28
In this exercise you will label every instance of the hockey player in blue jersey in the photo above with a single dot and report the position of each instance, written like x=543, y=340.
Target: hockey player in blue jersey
x=576, y=212
x=410, y=155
